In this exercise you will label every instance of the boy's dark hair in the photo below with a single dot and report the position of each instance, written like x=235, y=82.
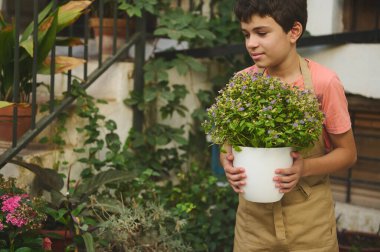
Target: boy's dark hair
x=284, y=12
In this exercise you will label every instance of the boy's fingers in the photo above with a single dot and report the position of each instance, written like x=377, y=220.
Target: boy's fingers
x=236, y=188
x=295, y=154
x=284, y=171
x=235, y=177
x=230, y=157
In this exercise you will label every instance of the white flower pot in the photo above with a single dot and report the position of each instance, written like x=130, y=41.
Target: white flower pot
x=260, y=165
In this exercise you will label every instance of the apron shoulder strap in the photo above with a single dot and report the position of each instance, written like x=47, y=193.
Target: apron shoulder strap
x=306, y=74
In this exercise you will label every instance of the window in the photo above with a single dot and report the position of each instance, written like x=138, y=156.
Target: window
x=361, y=15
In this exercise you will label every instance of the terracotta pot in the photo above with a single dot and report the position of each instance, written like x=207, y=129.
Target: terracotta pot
x=60, y=239
x=358, y=241
x=24, y=119
x=121, y=32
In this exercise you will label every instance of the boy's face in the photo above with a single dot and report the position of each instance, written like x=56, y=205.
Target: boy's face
x=266, y=41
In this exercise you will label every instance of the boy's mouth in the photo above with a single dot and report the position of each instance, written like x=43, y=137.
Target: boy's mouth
x=256, y=56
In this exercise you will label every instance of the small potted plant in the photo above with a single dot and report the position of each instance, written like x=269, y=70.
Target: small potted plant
x=50, y=24
x=20, y=219
x=260, y=116
x=122, y=9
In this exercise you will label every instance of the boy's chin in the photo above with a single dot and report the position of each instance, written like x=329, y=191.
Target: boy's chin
x=260, y=64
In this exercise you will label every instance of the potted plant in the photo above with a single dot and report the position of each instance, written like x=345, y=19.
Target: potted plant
x=71, y=216
x=50, y=24
x=21, y=216
x=109, y=7
x=261, y=116
x=123, y=10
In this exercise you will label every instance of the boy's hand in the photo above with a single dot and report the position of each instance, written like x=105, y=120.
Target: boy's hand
x=235, y=176
x=289, y=177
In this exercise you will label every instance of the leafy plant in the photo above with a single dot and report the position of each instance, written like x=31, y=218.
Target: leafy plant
x=140, y=227
x=258, y=111
x=72, y=209
x=136, y=7
x=50, y=23
x=20, y=218
x=180, y=25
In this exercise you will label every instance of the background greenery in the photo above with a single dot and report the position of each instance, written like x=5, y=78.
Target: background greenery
x=164, y=171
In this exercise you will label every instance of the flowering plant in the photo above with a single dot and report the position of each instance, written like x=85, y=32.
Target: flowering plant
x=254, y=110
x=20, y=217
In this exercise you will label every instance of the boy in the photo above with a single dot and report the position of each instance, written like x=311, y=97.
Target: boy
x=304, y=219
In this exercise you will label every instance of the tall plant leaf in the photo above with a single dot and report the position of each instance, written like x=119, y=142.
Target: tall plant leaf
x=47, y=33
x=70, y=12
x=48, y=178
x=62, y=64
x=89, y=242
x=6, y=42
x=43, y=14
x=89, y=186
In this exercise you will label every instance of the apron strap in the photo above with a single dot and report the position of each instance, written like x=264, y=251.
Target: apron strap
x=306, y=74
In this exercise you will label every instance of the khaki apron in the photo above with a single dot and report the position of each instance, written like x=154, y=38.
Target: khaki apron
x=303, y=220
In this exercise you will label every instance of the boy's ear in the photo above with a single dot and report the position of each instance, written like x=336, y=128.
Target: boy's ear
x=296, y=32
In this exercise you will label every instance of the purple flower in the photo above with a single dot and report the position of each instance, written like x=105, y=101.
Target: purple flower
x=302, y=122
x=244, y=87
x=241, y=109
x=295, y=125
x=267, y=108
x=273, y=102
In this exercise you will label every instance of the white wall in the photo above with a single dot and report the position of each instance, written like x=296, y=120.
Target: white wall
x=325, y=17
x=356, y=64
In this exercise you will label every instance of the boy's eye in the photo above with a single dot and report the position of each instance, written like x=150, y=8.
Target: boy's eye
x=246, y=35
x=262, y=33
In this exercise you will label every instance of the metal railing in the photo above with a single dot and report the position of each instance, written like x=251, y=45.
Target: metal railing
x=137, y=39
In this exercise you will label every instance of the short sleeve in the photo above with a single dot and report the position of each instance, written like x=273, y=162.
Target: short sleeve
x=335, y=107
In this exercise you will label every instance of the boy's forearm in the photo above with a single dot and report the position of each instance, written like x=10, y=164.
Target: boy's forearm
x=336, y=160
x=342, y=157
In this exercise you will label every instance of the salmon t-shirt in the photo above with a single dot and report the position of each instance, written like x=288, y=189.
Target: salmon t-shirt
x=330, y=92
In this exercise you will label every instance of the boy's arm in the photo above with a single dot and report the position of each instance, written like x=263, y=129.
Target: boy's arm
x=341, y=157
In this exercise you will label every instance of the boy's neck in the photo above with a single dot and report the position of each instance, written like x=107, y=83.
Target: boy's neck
x=289, y=70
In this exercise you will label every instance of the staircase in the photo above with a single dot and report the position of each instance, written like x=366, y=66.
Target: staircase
x=96, y=65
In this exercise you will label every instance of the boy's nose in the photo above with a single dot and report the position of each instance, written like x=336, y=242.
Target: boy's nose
x=252, y=42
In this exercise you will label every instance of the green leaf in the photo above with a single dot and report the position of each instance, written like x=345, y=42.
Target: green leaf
x=88, y=186
x=150, y=94
x=279, y=119
x=88, y=241
x=24, y=249
x=70, y=12
x=6, y=44
x=43, y=14
x=179, y=139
